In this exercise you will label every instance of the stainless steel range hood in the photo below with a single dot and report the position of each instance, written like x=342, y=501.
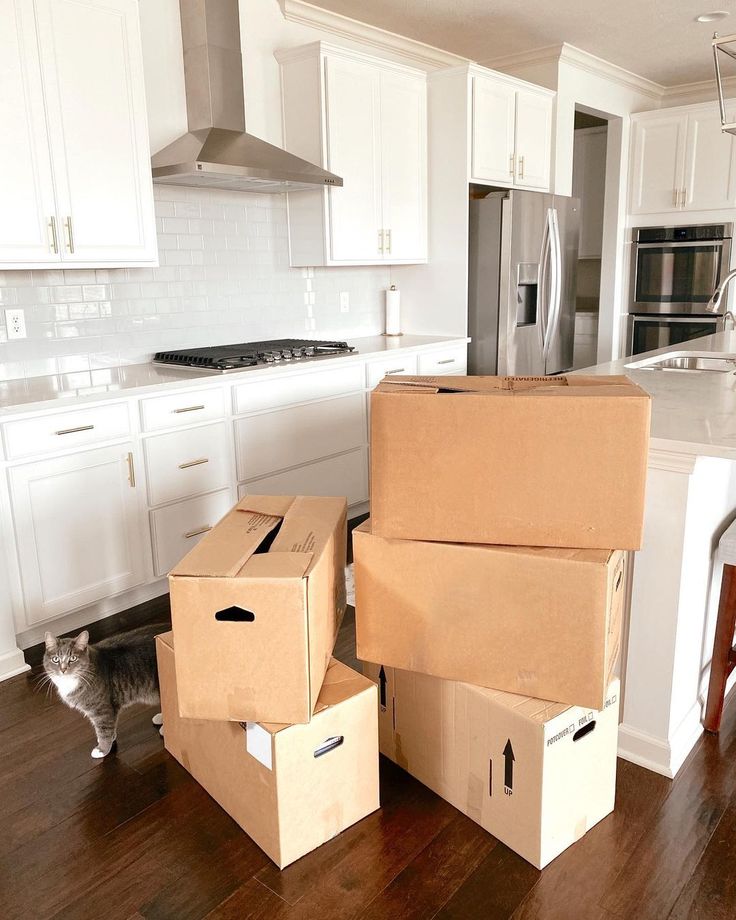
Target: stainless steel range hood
x=216, y=152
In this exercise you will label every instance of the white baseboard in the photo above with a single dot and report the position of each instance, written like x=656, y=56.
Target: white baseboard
x=661, y=755
x=12, y=664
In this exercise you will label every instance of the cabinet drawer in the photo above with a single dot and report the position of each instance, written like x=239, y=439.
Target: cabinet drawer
x=176, y=529
x=446, y=361
x=297, y=388
x=344, y=475
x=177, y=409
x=184, y=463
x=48, y=433
x=396, y=364
x=279, y=440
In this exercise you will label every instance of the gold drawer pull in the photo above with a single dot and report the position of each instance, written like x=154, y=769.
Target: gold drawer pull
x=185, y=466
x=69, y=233
x=75, y=430
x=131, y=471
x=197, y=532
x=447, y=361
x=187, y=409
x=396, y=370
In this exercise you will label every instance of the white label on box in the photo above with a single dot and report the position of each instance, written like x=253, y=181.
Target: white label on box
x=258, y=743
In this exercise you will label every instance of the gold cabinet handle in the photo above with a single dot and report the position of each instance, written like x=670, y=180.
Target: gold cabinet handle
x=521, y=167
x=511, y=165
x=396, y=370
x=684, y=197
x=380, y=240
x=197, y=532
x=447, y=361
x=69, y=234
x=676, y=197
x=75, y=430
x=131, y=470
x=53, y=238
x=388, y=233
x=185, y=466
x=187, y=409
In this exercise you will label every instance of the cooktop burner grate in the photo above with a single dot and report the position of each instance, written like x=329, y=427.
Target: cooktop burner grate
x=225, y=358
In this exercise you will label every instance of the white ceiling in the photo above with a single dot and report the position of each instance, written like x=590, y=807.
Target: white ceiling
x=658, y=39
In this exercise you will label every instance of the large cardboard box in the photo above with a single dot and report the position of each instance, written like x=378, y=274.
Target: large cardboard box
x=535, y=774
x=542, y=622
x=290, y=787
x=526, y=461
x=255, y=608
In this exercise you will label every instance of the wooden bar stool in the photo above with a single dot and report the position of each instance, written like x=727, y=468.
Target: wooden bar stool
x=724, y=652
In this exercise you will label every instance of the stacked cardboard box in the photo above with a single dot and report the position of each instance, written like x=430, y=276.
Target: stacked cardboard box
x=501, y=510
x=281, y=734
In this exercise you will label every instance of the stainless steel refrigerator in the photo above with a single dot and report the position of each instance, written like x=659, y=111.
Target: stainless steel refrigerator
x=522, y=279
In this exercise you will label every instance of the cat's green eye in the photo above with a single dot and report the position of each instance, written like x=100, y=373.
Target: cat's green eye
x=55, y=658
x=72, y=658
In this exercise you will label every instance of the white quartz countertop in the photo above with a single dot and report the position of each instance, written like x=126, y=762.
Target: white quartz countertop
x=693, y=412
x=62, y=390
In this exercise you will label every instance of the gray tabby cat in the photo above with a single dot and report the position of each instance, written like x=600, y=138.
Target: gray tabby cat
x=99, y=680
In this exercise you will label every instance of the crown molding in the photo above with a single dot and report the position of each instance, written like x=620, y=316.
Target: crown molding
x=671, y=462
x=426, y=56
x=701, y=91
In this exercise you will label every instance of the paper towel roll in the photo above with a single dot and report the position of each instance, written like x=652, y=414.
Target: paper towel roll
x=393, y=311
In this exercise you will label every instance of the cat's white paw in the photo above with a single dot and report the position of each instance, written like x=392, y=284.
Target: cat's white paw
x=158, y=719
x=161, y=731
x=96, y=752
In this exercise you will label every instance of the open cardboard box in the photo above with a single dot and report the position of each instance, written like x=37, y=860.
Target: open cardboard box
x=527, y=461
x=542, y=622
x=256, y=607
x=290, y=787
x=537, y=775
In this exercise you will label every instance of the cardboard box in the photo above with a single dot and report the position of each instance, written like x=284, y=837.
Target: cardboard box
x=255, y=608
x=537, y=775
x=524, y=461
x=290, y=787
x=542, y=622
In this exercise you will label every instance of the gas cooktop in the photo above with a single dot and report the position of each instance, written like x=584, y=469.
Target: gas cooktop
x=224, y=358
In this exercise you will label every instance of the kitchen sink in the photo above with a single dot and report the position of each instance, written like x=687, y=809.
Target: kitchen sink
x=711, y=362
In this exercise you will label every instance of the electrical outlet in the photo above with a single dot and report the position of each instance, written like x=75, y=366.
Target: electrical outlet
x=344, y=301
x=15, y=321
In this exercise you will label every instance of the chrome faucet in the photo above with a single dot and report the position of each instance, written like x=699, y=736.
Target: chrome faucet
x=714, y=304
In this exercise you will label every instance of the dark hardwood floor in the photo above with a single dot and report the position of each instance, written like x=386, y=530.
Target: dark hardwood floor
x=134, y=836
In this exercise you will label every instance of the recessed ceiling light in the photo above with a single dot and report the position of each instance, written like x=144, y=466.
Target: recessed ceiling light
x=712, y=16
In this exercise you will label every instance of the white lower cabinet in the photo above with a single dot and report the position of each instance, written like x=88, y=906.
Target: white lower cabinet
x=346, y=474
x=275, y=441
x=177, y=528
x=78, y=529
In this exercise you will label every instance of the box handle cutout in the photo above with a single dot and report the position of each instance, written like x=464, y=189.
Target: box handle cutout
x=585, y=730
x=329, y=744
x=235, y=615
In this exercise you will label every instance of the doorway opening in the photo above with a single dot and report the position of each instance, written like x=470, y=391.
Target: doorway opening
x=589, y=184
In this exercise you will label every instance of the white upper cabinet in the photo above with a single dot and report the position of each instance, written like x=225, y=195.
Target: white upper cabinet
x=680, y=160
x=511, y=132
x=79, y=123
x=26, y=186
x=364, y=119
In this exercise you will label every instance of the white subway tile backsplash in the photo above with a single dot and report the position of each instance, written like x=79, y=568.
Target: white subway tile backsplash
x=224, y=277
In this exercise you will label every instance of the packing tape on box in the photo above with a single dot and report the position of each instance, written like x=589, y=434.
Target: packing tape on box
x=474, y=798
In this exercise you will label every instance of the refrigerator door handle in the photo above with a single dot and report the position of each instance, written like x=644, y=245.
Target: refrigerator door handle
x=544, y=259
x=556, y=285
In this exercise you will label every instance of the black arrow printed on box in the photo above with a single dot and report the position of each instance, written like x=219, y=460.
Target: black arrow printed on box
x=508, y=773
x=382, y=684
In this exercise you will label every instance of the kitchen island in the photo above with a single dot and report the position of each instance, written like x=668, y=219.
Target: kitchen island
x=675, y=579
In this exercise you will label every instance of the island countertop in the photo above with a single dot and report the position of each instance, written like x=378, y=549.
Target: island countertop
x=693, y=412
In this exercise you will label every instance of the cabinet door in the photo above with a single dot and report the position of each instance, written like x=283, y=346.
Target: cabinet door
x=78, y=530
x=353, y=137
x=533, y=144
x=493, y=130
x=26, y=187
x=657, y=163
x=404, y=165
x=710, y=166
x=93, y=82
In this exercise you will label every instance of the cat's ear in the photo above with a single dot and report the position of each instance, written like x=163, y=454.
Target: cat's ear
x=80, y=643
x=50, y=641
